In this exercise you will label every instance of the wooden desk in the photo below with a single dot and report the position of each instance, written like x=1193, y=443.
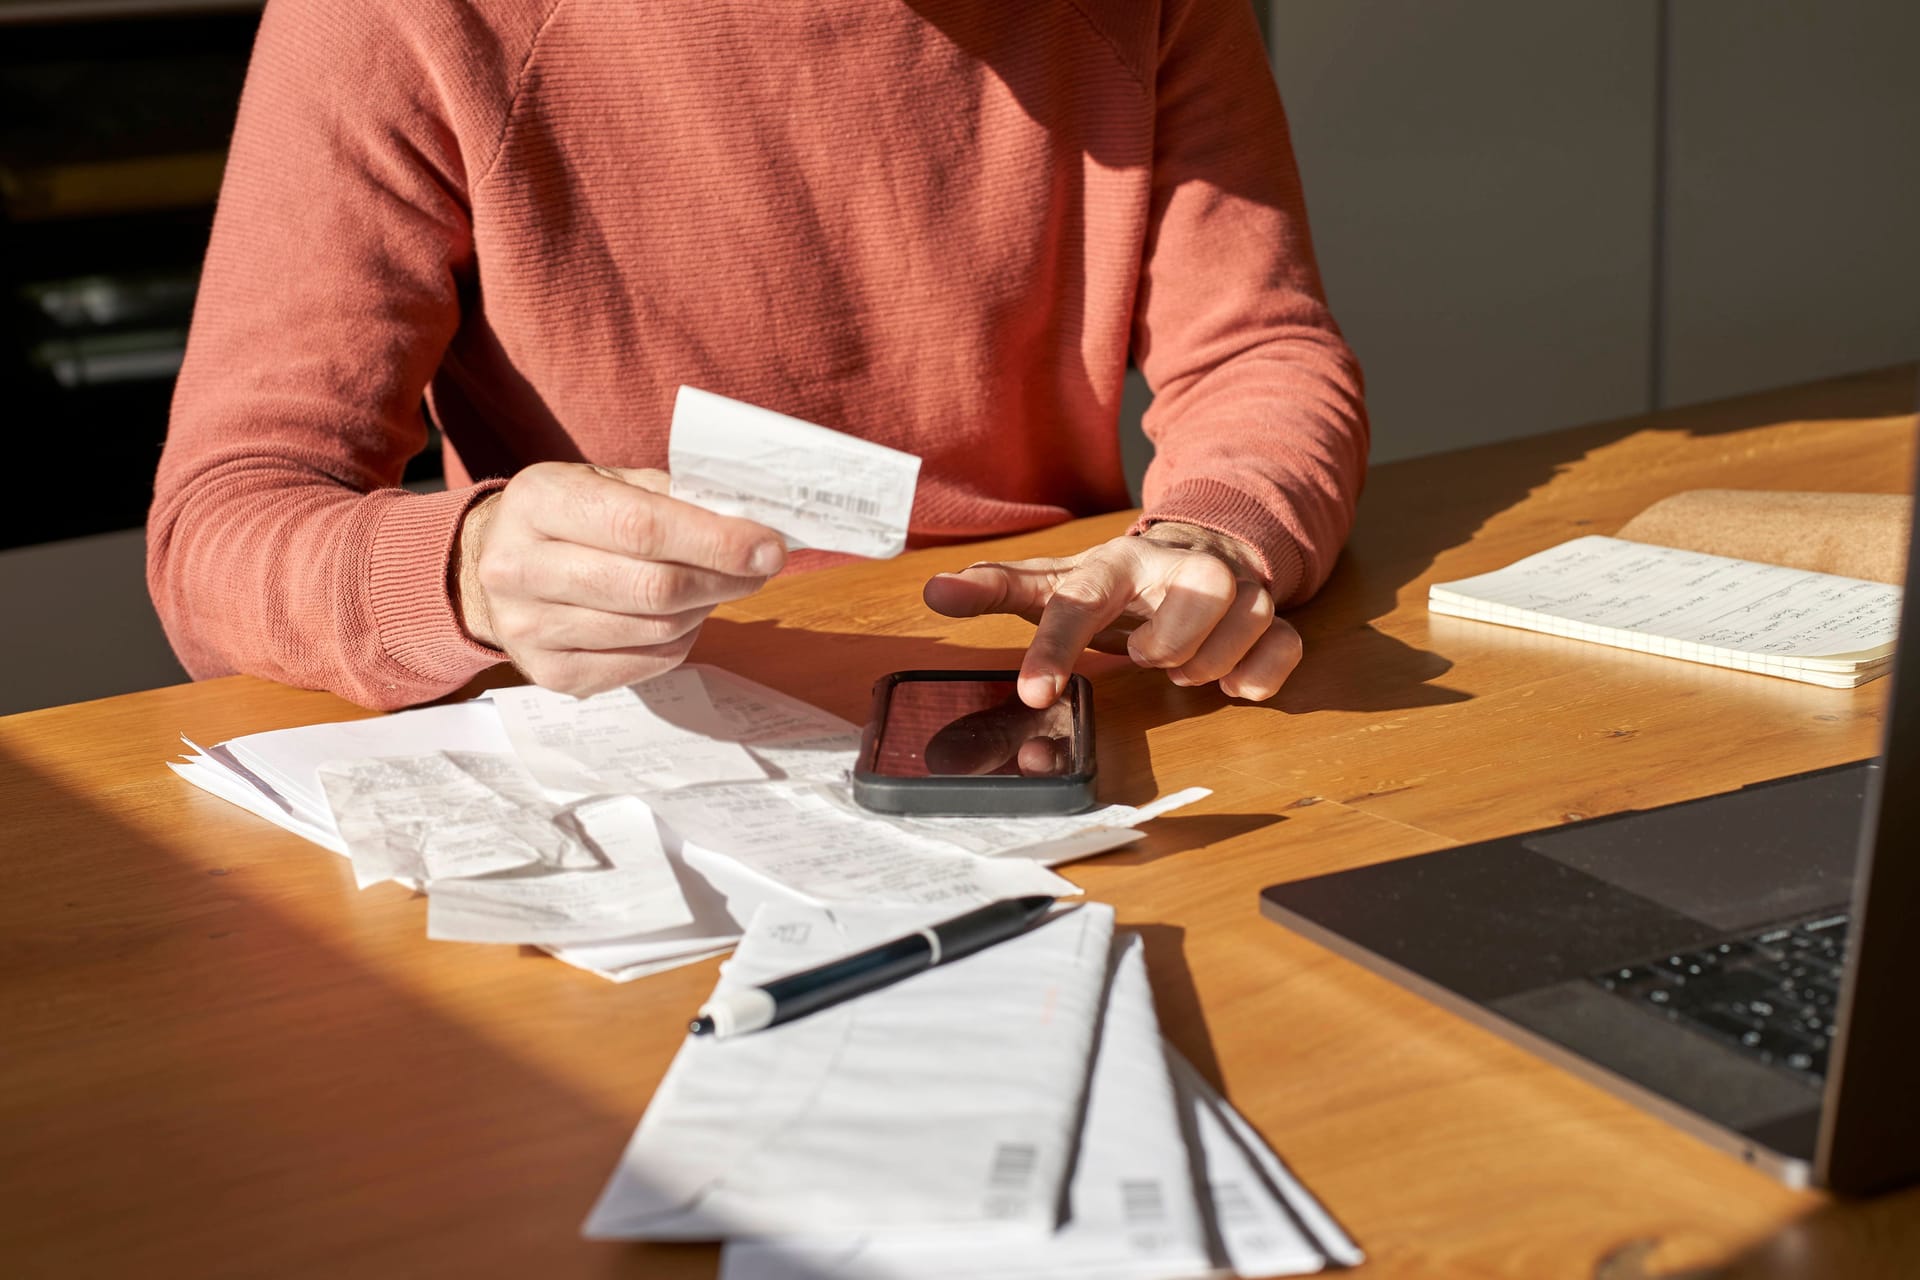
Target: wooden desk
x=219, y=1058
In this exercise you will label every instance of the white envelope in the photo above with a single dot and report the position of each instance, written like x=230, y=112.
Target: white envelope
x=1135, y=1190
x=1132, y=1211
x=1266, y=1221
x=950, y=1101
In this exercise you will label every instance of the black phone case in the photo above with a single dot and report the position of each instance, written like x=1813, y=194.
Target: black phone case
x=962, y=796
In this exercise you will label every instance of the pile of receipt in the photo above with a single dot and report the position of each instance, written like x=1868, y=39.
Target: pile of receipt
x=1012, y=1113
x=636, y=830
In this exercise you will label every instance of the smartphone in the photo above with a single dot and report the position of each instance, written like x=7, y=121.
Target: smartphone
x=962, y=742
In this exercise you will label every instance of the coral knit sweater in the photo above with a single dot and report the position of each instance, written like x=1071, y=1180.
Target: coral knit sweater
x=940, y=224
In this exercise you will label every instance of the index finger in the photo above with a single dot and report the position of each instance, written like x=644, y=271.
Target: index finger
x=1086, y=602
x=1019, y=587
x=588, y=506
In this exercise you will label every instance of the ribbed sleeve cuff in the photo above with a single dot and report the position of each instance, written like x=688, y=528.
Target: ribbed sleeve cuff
x=412, y=602
x=1225, y=509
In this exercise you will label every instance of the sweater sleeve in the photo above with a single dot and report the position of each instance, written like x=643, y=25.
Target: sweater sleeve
x=1257, y=422
x=279, y=543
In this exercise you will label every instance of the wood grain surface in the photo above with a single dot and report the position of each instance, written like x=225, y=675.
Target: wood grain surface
x=219, y=1058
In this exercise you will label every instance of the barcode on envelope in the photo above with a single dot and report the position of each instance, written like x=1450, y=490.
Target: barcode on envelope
x=1231, y=1202
x=1141, y=1202
x=1013, y=1164
x=844, y=501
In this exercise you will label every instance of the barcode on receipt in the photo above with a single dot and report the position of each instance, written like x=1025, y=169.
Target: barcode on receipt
x=844, y=501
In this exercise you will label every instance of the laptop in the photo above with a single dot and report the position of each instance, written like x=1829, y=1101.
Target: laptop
x=1710, y=961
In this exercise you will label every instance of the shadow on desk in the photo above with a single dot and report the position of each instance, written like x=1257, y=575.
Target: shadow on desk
x=845, y=663
x=1876, y=1239
x=220, y=1014
x=1177, y=1001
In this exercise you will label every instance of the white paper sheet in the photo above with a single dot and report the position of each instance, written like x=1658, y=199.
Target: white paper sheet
x=1049, y=841
x=636, y=893
x=818, y=488
x=214, y=771
x=289, y=760
x=582, y=958
x=720, y=892
x=1132, y=1211
x=552, y=907
x=451, y=814
x=661, y=733
x=806, y=837
x=823, y=1123
x=794, y=739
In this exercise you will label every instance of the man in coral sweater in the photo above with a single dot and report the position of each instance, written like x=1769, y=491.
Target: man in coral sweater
x=944, y=225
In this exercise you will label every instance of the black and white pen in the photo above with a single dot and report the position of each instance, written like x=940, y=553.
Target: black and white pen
x=744, y=1009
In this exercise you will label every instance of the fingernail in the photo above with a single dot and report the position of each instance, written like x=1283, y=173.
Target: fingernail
x=1039, y=691
x=1180, y=679
x=768, y=557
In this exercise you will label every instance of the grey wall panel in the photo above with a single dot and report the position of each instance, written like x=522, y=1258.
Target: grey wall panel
x=85, y=628
x=1793, y=228
x=1479, y=175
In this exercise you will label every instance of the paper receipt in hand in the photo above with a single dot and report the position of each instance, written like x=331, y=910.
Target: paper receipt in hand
x=819, y=488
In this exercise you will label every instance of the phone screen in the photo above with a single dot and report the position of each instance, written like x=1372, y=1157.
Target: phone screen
x=974, y=728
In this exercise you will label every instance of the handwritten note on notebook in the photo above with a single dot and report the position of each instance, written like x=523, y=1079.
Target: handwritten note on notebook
x=1814, y=627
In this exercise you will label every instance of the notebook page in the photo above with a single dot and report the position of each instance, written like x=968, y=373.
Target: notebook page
x=1801, y=669
x=1686, y=604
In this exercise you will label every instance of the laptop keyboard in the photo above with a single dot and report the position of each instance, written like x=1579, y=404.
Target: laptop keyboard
x=1771, y=996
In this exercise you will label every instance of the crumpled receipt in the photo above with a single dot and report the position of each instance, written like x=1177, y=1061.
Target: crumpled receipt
x=444, y=815
x=819, y=488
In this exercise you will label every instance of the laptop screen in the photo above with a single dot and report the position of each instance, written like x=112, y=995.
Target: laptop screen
x=1870, y=1134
